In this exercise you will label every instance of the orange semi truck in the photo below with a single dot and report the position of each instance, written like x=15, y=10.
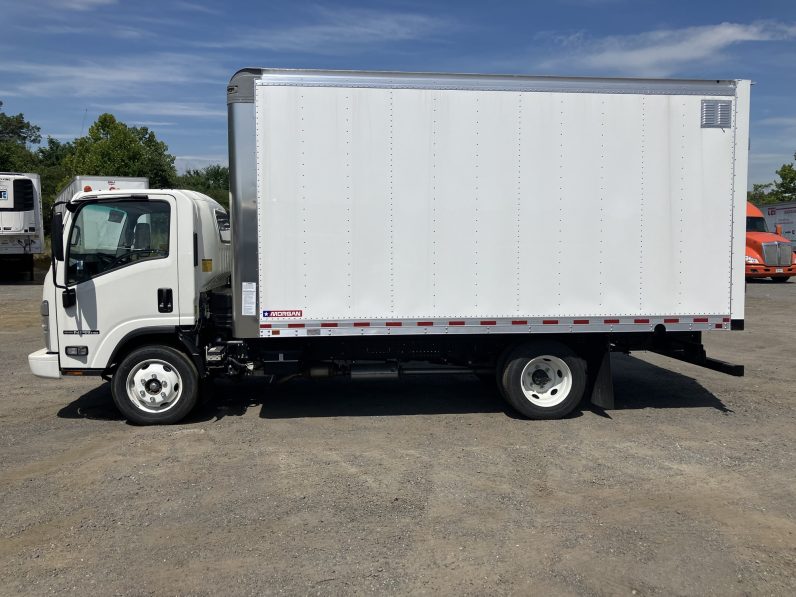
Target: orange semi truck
x=768, y=255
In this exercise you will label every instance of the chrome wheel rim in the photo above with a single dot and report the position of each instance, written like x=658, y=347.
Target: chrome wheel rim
x=546, y=381
x=154, y=386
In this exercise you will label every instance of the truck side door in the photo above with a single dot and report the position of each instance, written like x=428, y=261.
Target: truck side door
x=121, y=262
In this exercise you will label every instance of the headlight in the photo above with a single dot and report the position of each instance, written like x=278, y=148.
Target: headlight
x=751, y=259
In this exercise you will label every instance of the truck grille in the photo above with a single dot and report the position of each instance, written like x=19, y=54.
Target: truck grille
x=778, y=254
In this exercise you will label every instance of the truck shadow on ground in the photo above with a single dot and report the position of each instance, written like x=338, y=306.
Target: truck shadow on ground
x=22, y=279
x=767, y=281
x=638, y=385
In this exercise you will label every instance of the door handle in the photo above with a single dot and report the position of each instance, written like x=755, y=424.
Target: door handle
x=165, y=301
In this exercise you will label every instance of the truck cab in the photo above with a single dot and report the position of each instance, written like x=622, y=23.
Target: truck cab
x=129, y=270
x=768, y=254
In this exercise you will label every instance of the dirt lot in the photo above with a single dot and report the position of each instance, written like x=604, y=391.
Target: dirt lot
x=430, y=486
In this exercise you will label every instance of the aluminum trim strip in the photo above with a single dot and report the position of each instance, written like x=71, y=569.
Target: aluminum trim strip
x=498, y=83
x=498, y=326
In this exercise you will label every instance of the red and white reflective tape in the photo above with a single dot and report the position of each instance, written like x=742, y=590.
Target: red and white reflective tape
x=493, y=326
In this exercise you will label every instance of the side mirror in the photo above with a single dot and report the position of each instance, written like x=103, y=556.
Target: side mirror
x=778, y=229
x=57, y=236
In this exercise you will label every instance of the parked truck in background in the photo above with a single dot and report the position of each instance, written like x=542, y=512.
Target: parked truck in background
x=782, y=215
x=391, y=224
x=768, y=254
x=21, y=230
x=80, y=184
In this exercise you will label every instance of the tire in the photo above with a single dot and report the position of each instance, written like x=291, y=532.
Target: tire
x=155, y=385
x=543, y=380
x=780, y=279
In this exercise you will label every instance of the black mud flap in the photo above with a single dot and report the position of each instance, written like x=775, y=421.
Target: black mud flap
x=601, y=391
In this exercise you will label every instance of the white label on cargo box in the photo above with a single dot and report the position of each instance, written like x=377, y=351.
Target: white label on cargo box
x=249, y=303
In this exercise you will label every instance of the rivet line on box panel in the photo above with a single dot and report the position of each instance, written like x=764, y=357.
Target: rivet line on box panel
x=641, y=206
x=476, y=190
x=392, y=229
x=304, y=215
x=434, y=202
x=349, y=200
x=518, y=231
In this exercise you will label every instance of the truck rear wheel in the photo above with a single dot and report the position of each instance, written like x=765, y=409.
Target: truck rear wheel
x=155, y=385
x=543, y=380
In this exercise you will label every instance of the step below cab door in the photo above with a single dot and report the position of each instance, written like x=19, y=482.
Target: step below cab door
x=122, y=276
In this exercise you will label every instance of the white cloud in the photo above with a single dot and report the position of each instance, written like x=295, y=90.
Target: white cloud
x=80, y=5
x=662, y=52
x=197, y=7
x=61, y=136
x=336, y=31
x=192, y=162
x=784, y=121
x=768, y=157
x=109, y=76
x=193, y=109
x=150, y=123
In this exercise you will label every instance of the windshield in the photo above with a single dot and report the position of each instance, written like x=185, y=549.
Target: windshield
x=756, y=224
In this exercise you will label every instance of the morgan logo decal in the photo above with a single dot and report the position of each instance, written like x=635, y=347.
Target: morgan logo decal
x=284, y=313
x=81, y=332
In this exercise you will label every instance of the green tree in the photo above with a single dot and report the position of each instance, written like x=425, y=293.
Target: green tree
x=18, y=130
x=785, y=187
x=111, y=148
x=759, y=193
x=53, y=170
x=778, y=191
x=212, y=180
x=16, y=136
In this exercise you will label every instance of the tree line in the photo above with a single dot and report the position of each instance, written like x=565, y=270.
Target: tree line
x=777, y=191
x=110, y=148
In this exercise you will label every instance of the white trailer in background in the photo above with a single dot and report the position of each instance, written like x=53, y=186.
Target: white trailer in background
x=781, y=214
x=81, y=184
x=516, y=227
x=21, y=230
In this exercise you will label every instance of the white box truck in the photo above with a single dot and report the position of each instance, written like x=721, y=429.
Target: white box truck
x=782, y=215
x=80, y=184
x=388, y=224
x=21, y=230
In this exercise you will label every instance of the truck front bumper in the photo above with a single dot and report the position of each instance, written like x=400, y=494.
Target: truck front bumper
x=44, y=364
x=754, y=270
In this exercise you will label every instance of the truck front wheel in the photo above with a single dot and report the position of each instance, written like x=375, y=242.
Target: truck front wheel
x=155, y=385
x=543, y=380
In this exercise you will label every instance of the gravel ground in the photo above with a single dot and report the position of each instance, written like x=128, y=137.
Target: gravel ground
x=688, y=487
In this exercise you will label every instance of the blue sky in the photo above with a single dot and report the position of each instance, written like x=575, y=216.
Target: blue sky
x=165, y=63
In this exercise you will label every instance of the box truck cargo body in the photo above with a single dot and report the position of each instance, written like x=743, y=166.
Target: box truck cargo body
x=79, y=184
x=515, y=227
x=21, y=230
x=784, y=215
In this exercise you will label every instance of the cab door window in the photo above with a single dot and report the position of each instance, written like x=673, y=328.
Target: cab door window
x=114, y=234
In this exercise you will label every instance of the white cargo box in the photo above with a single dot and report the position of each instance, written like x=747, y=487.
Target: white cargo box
x=100, y=183
x=781, y=214
x=451, y=204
